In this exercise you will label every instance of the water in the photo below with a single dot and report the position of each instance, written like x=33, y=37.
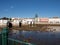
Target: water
x=37, y=37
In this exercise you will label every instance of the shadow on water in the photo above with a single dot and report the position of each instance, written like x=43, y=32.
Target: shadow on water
x=37, y=37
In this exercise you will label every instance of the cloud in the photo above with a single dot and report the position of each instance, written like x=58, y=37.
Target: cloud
x=12, y=7
x=8, y=9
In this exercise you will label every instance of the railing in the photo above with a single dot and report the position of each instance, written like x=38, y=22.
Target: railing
x=17, y=42
x=4, y=40
x=0, y=39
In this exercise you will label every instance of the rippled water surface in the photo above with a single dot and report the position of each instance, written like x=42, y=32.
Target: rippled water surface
x=37, y=37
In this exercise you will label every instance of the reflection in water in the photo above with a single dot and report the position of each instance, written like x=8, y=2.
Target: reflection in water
x=15, y=31
x=37, y=37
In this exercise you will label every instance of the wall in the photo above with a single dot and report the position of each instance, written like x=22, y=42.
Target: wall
x=27, y=21
x=43, y=20
x=54, y=28
x=3, y=23
x=15, y=22
x=54, y=20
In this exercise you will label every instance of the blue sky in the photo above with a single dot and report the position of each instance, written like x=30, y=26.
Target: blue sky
x=28, y=8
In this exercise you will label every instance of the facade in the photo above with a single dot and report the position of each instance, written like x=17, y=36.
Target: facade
x=44, y=20
x=37, y=20
x=26, y=21
x=47, y=20
x=3, y=22
x=54, y=20
x=15, y=21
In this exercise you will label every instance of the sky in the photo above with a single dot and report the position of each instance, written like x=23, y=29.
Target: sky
x=28, y=8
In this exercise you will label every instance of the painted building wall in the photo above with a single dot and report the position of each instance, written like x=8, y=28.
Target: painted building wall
x=43, y=20
x=37, y=20
x=27, y=21
x=15, y=22
x=3, y=22
x=54, y=20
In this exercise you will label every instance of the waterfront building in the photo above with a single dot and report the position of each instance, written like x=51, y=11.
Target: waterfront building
x=26, y=21
x=43, y=20
x=15, y=21
x=32, y=21
x=3, y=23
x=54, y=20
x=37, y=20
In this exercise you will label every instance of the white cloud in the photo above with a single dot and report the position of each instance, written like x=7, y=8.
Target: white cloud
x=12, y=7
x=7, y=9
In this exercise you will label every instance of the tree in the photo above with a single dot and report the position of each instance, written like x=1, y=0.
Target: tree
x=36, y=15
x=5, y=18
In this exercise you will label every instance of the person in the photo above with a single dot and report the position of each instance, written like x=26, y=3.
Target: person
x=9, y=24
x=20, y=24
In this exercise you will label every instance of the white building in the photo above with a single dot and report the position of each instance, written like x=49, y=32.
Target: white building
x=54, y=20
x=37, y=20
x=3, y=23
x=26, y=21
x=15, y=21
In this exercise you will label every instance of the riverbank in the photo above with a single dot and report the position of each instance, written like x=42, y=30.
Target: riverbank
x=35, y=27
x=30, y=27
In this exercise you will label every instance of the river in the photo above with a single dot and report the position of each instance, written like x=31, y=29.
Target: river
x=36, y=37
